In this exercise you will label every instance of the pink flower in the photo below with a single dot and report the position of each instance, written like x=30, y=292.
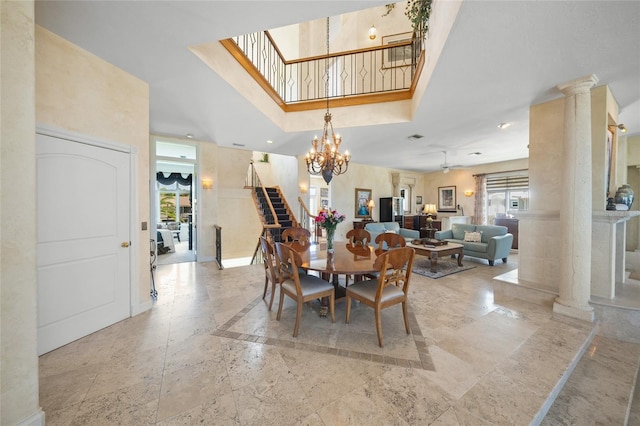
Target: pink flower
x=329, y=219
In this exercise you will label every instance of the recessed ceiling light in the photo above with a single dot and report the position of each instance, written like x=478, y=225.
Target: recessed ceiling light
x=503, y=125
x=269, y=141
x=189, y=135
x=415, y=137
x=237, y=144
x=475, y=153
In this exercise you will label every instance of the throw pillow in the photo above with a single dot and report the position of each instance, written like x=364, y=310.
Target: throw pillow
x=472, y=237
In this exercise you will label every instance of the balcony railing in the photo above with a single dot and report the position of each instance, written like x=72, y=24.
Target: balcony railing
x=368, y=71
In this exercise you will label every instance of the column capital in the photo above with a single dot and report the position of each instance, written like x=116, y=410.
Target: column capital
x=579, y=85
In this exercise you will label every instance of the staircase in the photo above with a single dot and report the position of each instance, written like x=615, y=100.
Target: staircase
x=284, y=218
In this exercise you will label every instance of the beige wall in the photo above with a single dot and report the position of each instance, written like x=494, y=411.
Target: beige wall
x=18, y=328
x=81, y=93
x=343, y=189
x=633, y=178
x=604, y=111
x=463, y=180
x=207, y=200
x=540, y=226
x=236, y=210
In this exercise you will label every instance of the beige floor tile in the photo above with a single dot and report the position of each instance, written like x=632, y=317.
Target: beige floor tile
x=210, y=352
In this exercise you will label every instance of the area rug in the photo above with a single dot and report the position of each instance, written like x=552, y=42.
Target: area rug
x=446, y=266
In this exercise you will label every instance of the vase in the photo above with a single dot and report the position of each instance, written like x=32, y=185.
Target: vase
x=624, y=195
x=330, y=235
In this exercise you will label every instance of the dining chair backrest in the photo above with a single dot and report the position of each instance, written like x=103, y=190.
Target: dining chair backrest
x=359, y=237
x=394, y=273
x=300, y=287
x=289, y=262
x=394, y=268
x=297, y=238
x=269, y=258
x=271, y=268
x=389, y=240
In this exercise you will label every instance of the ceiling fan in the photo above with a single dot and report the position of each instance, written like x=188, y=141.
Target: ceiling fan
x=446, y=166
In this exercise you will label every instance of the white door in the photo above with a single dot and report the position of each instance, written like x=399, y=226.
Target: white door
x=83, y=237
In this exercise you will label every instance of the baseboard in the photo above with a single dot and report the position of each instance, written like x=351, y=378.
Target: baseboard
x=140, y=308
x=36, y=419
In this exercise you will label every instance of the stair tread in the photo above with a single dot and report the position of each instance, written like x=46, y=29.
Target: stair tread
x=530, y=377
x=600, y=389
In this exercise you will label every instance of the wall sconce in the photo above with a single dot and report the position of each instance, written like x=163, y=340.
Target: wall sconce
x=372, y=33
x=303, y=189
x=468, y=193
x=622, y=127
x=207, y=183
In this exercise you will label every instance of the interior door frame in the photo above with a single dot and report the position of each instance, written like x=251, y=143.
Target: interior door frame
x=135, y=306
x=195, y=183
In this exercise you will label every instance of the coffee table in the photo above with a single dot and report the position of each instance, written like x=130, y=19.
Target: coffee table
x=433, y=252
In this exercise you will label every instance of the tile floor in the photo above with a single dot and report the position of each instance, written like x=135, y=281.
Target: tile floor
x=209, y=352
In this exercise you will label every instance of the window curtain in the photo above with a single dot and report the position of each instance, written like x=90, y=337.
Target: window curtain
x=480, y=202
x=179, y=179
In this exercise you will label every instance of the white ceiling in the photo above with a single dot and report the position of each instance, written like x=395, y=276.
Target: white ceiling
x=500, y=58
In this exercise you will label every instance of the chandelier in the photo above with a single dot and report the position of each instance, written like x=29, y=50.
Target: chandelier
x=325, y=158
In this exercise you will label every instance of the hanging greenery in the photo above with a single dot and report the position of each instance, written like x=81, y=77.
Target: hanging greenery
x=389, y=7
x=418, y=12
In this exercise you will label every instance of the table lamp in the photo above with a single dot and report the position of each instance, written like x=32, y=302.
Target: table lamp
x=371, y=205
x=429, y=210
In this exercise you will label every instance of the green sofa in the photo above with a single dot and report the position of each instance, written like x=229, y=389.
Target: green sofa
x=495, y=244
x=377, y=228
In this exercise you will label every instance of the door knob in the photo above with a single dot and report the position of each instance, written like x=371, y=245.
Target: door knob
x=124, y=244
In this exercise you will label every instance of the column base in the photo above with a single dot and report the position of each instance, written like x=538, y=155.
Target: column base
x=586, y=313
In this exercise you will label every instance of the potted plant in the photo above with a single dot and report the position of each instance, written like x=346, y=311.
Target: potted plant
x=418, y=12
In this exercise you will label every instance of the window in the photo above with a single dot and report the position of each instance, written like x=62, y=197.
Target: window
x=506, y=194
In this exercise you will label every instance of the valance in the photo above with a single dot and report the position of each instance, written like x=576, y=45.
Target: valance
x=173, y=178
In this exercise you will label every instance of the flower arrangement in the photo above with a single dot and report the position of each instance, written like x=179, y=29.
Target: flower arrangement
x=329, y=219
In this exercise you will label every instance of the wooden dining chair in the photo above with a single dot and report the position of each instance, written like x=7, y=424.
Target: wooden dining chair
x=297, y=238
x=300, y=287
x=357, y=238
x=271, y=268
x=389, y=240
x=392, y=287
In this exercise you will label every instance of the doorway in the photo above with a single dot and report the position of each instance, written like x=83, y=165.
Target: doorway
x=174, y=200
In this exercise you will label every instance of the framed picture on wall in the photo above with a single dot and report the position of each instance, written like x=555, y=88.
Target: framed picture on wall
x=397, y=56
x=324, y=203
x=447, y=199
x=324, y=192
x=362, y=202
x=418, y=199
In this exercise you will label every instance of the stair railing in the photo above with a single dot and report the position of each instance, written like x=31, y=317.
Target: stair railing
x=305, y=218
x=253, y=181
x=218, y=230
x=373, y=70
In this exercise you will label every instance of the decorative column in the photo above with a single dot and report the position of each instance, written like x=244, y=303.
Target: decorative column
x=576, y=208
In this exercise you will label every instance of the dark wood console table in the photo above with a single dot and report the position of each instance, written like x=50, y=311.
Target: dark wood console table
x=359, y=224
x=512, y=228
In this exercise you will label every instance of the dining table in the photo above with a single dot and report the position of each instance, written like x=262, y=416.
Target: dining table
x=346, y=259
